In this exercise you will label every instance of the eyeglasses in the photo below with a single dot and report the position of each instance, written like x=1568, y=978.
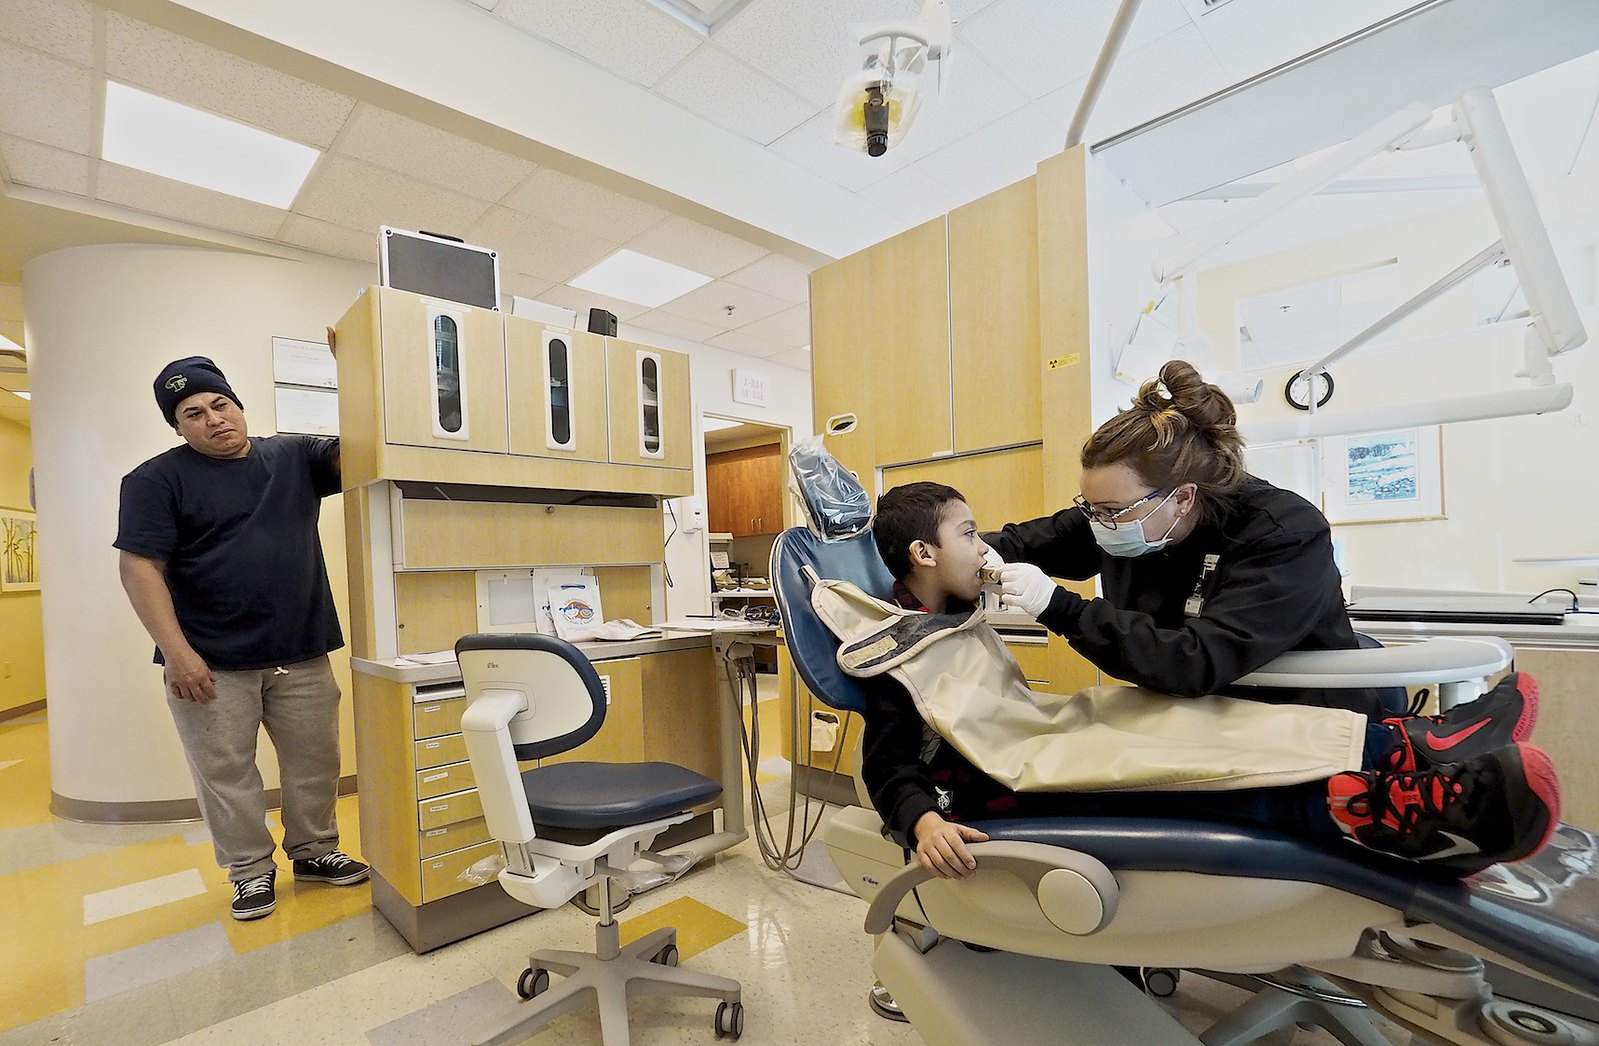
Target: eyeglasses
x=1110, y=519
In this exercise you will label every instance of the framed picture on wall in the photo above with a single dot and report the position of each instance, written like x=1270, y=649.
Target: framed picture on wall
x=1383, y=477
x=19, y=551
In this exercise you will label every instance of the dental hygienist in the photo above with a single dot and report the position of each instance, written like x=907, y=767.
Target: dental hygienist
x=1207, y=572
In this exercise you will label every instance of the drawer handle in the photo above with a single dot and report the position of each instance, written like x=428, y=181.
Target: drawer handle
x=435, y=777
x=438, y=809
x=431, y=744
x=431, y=708
x=430, y=833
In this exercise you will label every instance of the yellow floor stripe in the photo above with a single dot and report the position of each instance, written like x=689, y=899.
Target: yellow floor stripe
x=699, y=926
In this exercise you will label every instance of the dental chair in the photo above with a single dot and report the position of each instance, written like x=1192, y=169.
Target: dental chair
x=1328, y=935
x=575, y=827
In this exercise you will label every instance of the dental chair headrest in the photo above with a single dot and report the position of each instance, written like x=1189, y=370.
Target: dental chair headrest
x=837, y=507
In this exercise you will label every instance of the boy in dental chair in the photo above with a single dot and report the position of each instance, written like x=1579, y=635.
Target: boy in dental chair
x=1498, y=800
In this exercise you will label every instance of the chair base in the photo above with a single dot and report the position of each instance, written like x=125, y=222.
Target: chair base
x=611, y=973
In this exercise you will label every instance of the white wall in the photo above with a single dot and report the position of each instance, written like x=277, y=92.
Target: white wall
x=101, y=323
x=1516, y=486
x=687, y=555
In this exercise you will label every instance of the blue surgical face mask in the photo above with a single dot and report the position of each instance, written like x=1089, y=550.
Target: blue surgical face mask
x=1128, y=539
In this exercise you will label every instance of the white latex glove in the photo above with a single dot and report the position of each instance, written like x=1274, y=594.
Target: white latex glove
x=1026, y=588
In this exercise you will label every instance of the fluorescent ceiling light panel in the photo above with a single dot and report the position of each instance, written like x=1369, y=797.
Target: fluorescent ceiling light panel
x=157, y=135
x=640, y=279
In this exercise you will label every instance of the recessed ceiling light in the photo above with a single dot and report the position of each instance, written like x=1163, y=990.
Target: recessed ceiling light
x=640, y=279
x=157, y=135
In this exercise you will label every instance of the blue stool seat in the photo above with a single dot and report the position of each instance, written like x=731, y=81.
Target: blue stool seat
x=612, y=795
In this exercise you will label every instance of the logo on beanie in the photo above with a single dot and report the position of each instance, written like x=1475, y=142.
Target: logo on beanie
x=177, y=382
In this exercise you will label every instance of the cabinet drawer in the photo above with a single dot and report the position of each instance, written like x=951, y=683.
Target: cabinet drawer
x=436, y=718
x=448, y=809
x=1034, y=659
x=441, y=875
x=441, y=780
x=443, y=839
x=437, y=751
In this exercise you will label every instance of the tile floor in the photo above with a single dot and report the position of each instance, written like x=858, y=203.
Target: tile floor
x=118, y=934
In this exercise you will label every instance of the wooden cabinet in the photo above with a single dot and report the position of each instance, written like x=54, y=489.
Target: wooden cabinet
x=744, y=491
x=443, y=374
x=555, y=392
x=650, y=406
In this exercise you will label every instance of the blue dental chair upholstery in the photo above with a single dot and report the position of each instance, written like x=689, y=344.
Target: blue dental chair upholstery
x=1199, y=895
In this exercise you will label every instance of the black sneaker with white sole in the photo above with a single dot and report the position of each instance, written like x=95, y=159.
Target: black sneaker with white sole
x=254, y=898
x=334, y=867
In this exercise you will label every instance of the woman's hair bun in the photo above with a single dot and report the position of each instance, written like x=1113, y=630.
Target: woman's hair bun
x=1180, y=388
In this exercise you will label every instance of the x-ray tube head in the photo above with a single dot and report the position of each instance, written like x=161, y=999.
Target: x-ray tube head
x=874, y=120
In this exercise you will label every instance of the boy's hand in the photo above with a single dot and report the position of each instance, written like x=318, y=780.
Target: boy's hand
x=941, y=846
x=1026, y=588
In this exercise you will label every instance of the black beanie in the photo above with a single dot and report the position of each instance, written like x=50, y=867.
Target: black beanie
x=183, y=378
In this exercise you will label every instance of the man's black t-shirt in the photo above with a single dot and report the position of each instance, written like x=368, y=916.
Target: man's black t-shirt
x=239, y=537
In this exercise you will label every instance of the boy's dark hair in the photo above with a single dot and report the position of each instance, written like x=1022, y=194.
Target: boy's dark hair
x=910, y=512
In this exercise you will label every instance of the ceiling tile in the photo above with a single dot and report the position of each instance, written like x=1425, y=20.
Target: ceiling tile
x=709, y=305
x=487, y=5
x=735, y=97
x=1251, y=36
x=189, y=203
x=790, y=328
x=42, y=167
x=912, y=195
x=333, y=240
x=1042, y=45
x=632, y=40
x=44, y=99
x=805, y=46
x=399, y=143
x=1147, y=82
x=178, y=68
x=676, y=326
x=358, y=195
x=776, y=275
x=974, y=96
x=737, y=341
x=522, y=285
x=697, y=247
x=584, y=206
x=811, y=146
x=537, y=247
x=799, y=359
x=1005, y=151
x=64, y=28
x=583, y=301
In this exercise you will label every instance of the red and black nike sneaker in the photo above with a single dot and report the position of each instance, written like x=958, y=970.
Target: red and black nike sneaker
x=1504, y=715
x=1461, y=817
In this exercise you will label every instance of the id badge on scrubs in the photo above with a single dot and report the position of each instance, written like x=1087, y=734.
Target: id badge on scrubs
x=1196, y=602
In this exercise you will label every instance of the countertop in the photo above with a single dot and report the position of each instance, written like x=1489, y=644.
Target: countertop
x=412, y=673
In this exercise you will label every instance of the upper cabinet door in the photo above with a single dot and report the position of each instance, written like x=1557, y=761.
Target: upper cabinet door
x=650, y=408
x=555, y=389
x=993, y=309
x=443, y=374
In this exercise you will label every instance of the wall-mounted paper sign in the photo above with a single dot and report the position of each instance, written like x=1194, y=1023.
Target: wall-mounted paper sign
x=750, y=387
x=308, y=363
x=314, y=412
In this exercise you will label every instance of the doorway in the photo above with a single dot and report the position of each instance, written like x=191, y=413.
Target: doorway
x=746, y=507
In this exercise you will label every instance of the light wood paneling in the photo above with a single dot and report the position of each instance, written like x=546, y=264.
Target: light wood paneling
x=434, y=608
x=360, y=397
x=383, y=729
x=625, y=592
x=437, y=751
x=623, y=394
x=1001, y=486
x=441, y=780
x=621, y=736
x=1033, y=659
x=1568, y=722
x=993, y=310
x=449, y=837
x=527, y=392
x=436, y=465
x=680, y=700
x=792, y=691
x=476, y=534
x=447, y=809
x=441, y=876
x=409, y=408
x=744, y=490
x=436, y=718
x=358, y=570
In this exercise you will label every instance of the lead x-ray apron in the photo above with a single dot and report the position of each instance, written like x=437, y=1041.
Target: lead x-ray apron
x=968, y=687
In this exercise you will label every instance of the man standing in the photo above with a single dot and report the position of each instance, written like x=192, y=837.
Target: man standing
x=222, y=563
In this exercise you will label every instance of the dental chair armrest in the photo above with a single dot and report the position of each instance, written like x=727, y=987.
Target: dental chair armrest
x=1074, y=890
x=1433, y=661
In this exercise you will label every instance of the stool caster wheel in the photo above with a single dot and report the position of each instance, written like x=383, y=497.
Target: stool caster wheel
x=535, y=980
x=667, y=956
x=1161, y=981
x=729, y=1020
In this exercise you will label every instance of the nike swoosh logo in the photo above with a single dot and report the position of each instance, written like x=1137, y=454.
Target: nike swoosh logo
x=1444, y=744
x=1458, y=848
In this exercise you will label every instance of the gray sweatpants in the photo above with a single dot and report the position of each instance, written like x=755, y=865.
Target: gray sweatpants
x=299, y=706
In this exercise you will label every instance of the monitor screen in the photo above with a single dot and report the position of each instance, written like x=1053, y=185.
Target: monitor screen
x=439, y=268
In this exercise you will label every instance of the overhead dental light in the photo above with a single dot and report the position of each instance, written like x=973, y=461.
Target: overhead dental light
x=882, y=93
x=1554, y=326
x=1154, y=342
